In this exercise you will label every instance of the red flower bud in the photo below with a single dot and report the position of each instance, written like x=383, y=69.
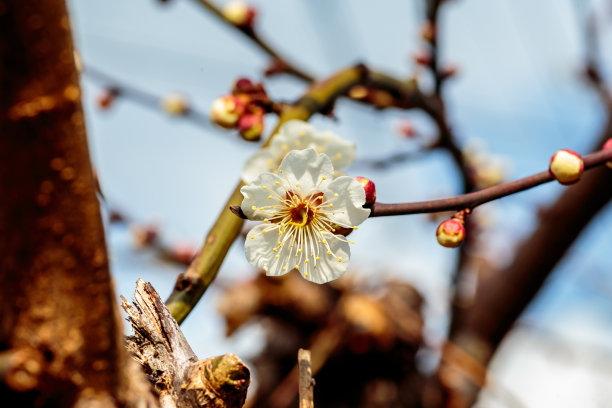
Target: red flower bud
x=251, y=126
x=606, y=146
x=450, y=233
x=566, y=166
x=370, y=190
x=242, y=85
x=106, y=98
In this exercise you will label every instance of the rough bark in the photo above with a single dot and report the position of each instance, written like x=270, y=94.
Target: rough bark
x=61, y=340
x=179, y=378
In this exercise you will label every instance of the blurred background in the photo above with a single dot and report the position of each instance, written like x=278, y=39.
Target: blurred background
x=519, y=95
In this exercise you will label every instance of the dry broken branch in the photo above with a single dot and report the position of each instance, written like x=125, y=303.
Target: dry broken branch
x=178, y=376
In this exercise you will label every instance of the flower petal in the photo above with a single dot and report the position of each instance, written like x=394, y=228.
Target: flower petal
x=329, y=266
x=262, y=161
x=347, y=196
x=259, y=249
x=340, y=151
x=304, y=169
x=263, y=197
x=298, y=135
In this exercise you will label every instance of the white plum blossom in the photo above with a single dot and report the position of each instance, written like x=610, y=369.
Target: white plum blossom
x=301, y=206
x=298, y=135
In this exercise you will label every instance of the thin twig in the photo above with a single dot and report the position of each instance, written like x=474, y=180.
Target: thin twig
x=141, y=97
x=472, y=200
x=251, y=34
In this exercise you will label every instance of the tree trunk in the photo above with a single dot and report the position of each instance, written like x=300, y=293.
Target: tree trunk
x=61, y=341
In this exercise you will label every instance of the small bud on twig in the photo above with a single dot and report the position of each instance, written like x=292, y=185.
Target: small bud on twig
x=106, y=98
x=239, y=13
x=175, y=104
x=450, y=233
x=566, y=166
x=251, y=126
x=370, y=190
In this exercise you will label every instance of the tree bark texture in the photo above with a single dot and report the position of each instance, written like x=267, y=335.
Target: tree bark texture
x=61, y=341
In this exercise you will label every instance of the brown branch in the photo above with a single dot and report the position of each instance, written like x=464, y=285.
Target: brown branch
x=472, y=200
x=306, y=385
x=60, y=332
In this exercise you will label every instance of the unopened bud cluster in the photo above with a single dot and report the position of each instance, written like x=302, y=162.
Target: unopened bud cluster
x=566, y=166
x=243, y=109
x=239, y=13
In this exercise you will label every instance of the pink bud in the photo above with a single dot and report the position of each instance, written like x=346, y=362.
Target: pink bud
x=370, y=190
x=606, y=146
x=566, y=166
x=450, y=233
x=106, y=98
x=251, y=126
